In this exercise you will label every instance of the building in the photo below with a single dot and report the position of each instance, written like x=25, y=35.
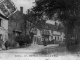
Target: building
x=57, y=36
x=38, y=36
x=3, y=28
x=7, y=8
x=50, y=33
x=15, y=23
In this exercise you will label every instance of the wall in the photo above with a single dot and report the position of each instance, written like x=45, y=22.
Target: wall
x=59, y=36
x=4, y=29
x=15, y=22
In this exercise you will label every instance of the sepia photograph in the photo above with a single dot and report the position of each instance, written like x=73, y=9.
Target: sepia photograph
x=39, y=29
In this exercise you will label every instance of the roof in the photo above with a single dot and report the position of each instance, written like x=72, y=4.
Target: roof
x=50, y=27
x=3, y=16
x=17, y=16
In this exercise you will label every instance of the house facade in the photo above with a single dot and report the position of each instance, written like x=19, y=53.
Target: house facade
x=7, y=8
x=53, y=32
x=49, y=33
x=57, y=36
x=3, y=28
x=15, y=25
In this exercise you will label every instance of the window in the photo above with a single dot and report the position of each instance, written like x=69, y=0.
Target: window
x=58, y=37
x=0, y=22
x=0, y=36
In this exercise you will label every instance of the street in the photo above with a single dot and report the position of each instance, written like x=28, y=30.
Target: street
x=38, y=52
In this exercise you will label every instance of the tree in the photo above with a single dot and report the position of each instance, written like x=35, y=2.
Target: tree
x=67, y=10
x=34, y=18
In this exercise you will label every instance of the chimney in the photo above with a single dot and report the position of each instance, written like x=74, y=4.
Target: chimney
x=21, y=9
x=28, y=11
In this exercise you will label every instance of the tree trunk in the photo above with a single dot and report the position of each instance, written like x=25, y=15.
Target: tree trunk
x=71, y=35
x=68, y=35
x=67, y=39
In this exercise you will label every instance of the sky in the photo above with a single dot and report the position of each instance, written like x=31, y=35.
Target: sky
x=27, y=4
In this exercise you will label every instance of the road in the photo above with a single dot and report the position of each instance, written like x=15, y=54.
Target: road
x=34, y=53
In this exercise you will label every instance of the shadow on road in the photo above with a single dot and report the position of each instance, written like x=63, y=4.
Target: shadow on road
x=59, y=50
x=75, y=48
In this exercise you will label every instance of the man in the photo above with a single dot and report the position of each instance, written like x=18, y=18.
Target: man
x=7, y=44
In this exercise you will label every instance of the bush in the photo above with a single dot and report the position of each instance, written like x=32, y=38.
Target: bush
x=20, y=40
x=28, y=40
x=14, y=44
x=23, y=39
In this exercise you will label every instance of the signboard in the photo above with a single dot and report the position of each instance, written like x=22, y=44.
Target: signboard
x=7, y=7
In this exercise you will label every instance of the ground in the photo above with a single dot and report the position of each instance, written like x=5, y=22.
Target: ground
x=39, y=52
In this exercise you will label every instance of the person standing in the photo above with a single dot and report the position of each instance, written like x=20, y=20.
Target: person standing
x=1, y=43
x=7, y=45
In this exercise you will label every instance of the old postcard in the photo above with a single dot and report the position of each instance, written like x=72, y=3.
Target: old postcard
x=39, y=29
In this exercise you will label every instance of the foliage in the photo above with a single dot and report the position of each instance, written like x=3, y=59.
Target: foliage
x=20, y=40
x=34, y=18
x=23, y=39
x=68, y=10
